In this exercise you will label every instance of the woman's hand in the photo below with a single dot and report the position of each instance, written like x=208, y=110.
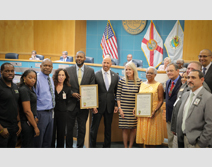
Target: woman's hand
x=121, y=113
x=36, y=120
x=37, y=131
x=134, y=111
x=5, y=133
x=153, y=114
x=19, y=128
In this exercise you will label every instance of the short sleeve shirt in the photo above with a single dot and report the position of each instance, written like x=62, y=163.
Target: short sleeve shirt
x=8, y=104
x=27, y=95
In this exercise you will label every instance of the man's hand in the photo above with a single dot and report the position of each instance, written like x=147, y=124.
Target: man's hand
x=95, y=111
x=76, y=95
x=36, y=120
x=37, y=131
x=19, y=129
x=5, y=133
x=116, y=109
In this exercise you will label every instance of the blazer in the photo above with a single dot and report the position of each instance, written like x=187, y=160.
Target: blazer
x=208, y=77
x=184, y=88
x=106, y=98
x=67, y=59
x=171, y=100
x=198, y=125
x=87, y=79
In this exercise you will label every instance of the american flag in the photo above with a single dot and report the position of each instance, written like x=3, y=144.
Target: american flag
x=109, y=42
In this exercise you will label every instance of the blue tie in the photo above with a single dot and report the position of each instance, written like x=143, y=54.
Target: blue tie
x=204, y=69
x=106, y=81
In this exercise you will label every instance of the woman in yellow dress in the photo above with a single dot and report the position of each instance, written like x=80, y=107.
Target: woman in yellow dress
x=150, y=129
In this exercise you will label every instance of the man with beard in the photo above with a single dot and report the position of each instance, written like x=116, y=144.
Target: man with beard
x=10, y=126
x=80, y=74
x=194, y=120
x=45, y=105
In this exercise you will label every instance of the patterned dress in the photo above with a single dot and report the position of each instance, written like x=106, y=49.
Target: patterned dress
x=126, y=96
x=150, y=130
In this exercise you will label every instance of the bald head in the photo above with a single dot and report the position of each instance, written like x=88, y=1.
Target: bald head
x=129, y=57
x=106, y=63
x=46, y=66
x=205, y=56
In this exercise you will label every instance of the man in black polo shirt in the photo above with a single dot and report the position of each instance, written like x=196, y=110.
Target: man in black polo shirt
x=10, y=126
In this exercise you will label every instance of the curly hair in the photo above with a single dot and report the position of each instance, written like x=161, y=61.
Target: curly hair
x=55, y=77
x=25, y=75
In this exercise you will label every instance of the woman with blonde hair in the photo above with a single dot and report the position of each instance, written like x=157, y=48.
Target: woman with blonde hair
x=127, y=87
x=167, y=61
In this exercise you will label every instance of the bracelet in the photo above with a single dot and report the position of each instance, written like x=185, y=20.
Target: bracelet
x=119, y=108
x=2, y=130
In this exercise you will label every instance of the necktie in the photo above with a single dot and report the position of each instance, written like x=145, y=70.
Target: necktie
x=186, y=110
x=204, y=69
x=172, y=86
x=52, y=93
x=106, y=81
x=79, y=76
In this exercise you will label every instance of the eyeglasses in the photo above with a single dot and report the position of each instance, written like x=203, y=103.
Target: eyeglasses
x=203, y=56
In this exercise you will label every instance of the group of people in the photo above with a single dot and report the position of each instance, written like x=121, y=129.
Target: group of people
x=42, y=108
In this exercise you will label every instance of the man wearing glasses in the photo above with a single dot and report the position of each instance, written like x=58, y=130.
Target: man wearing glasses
x=205, y=60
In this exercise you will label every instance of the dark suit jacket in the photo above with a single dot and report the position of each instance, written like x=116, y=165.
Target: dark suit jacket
x=67, y=59
x=198, y=125
x=171, y=100
x=184, y=88
x=87, y=79
x=208, y=77
x=106, y=98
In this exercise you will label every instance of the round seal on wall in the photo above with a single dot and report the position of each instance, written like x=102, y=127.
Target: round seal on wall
x=175, y=42
x=134, y=26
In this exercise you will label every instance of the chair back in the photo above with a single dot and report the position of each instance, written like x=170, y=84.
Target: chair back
x=11, y=56
x=115, y=61
x=89, y=60
x=138, y=62
x=41, y=57
x=70, y=57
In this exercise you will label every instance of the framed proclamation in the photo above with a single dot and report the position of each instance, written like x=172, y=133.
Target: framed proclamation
x=143, y=104
x=89, y=96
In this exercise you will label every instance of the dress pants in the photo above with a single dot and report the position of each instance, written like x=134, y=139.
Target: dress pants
x=96, y=118
x=45, y=125
x=27, y=135
x=59, y=127
x=170, y=135
x=188, y=145
x=10, y=141
x=82, y=116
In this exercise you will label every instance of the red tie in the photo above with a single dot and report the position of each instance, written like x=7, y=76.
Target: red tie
x=172, y=86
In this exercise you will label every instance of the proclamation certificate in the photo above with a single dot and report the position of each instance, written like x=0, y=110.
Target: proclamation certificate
x=89, y=96
x=143, y=104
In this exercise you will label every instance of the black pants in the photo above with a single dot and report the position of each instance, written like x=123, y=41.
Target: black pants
x=59, y=127
x=27, y=135
x=11, y=140
x=82, y=116
x=96, y=118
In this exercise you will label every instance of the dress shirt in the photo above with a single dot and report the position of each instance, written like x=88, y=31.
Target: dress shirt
x=194, y=97
x=82, y=70
x=175, y=81
x=207, y=67
x=44, y=97
x=108, y=76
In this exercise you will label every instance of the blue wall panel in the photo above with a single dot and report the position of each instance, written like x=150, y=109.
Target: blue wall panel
x=127, y=43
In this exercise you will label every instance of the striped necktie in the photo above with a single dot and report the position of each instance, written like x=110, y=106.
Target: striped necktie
x=51, y=90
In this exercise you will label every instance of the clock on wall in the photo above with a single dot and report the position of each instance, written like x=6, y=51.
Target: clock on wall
x=134, y=26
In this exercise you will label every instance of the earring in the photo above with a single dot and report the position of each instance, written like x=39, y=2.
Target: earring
x=24, y=81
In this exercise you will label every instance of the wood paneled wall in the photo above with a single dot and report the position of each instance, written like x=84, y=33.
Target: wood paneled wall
x=197, y=36
x=47, y=37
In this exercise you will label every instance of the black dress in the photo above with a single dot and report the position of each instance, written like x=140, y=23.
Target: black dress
x=60, y=115
x=27, y=133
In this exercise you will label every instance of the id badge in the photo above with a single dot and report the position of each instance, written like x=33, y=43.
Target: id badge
x=64, y=95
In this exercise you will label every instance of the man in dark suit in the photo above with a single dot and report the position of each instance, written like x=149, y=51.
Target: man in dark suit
x=129, y=59
x=65, y=58
x=107, y=81
x=194, y=121
x=205, y=59
x=80, y=74
x=172, y=88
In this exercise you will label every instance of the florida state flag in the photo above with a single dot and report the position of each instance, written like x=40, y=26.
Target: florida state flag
x=152, y=46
